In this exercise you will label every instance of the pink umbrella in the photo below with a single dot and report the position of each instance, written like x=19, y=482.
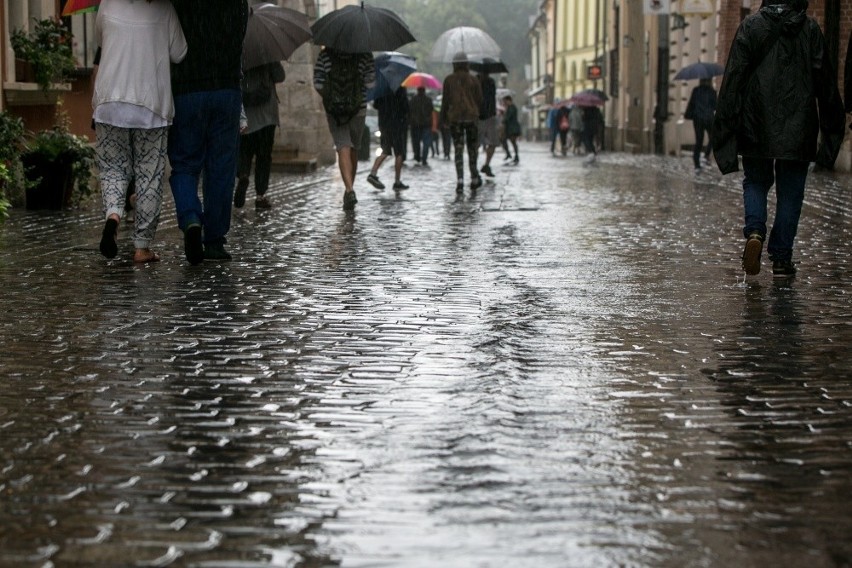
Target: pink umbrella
x=425, y=80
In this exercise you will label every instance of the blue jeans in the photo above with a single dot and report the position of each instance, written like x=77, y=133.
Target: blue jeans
x=204, y=139
x=421, y=142
x=789, y=177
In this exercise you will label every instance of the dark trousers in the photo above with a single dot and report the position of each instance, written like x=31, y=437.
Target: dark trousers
x=700, y=128
x=465, y=133
x=257, y=146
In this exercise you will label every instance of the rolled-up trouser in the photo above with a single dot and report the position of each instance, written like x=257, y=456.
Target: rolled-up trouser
x=138, y=154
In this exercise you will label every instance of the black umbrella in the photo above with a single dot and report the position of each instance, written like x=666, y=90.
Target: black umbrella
x=273, y=34
x=361, y=29
x=699, y=70
x=488, y=65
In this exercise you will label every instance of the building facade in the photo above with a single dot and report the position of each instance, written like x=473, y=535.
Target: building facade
x=639, y=45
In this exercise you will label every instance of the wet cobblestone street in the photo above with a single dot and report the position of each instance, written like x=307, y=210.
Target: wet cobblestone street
x=566, y=368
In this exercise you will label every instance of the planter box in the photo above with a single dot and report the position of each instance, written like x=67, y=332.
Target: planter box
x=53, y=183
x=28, y=94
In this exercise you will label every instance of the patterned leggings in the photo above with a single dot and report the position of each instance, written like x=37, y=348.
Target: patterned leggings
x=137, y=154
x=465, y=133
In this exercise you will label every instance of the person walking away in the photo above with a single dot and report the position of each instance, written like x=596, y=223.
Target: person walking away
x=393, y=120
x=205, y=133
x=436, y=130
x=260, y=101
x=563, y=127
x=342, y=80
x=592, y=120
x=460, y=109
x=489, y=135
x=512, y=125
x=551, y=125
x=700, y=110
x=420, y=117
x=131, y=118
x=575, y=124
x=778, y=66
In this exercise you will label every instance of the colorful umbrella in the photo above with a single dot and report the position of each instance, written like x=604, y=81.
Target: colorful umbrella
x=80, y=6
x=425, y=80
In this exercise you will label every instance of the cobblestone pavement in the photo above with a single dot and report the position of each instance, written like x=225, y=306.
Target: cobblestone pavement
x=564, y=369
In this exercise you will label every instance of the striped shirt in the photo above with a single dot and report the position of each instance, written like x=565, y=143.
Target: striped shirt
x=366, y=67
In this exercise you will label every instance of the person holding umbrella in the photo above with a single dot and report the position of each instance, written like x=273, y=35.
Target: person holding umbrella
x=206, y=129
x=700, y=110
x=489, y=135
x=343, y=79
x=131, y=118
x=393, y=124
x=512, y=125
x=420, y=117
x=460, y=104
x=344, y=72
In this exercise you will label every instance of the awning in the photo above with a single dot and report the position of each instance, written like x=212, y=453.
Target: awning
x=536, y=91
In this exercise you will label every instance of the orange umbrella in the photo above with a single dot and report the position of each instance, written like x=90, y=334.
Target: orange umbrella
x=80, y=6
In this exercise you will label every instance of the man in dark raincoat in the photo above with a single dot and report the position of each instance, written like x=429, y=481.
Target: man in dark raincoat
x=778, y=93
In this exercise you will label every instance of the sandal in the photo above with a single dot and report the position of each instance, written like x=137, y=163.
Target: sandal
x=145, y=255
x=109, y=246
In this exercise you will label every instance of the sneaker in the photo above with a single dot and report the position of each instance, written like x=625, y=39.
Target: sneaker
x=192, y=246
x=240, y=192
x=783, y=269
x=507, y=158
x=476, y=183
x=216, y=252
x=751, y=254
x=487, y=171
x=349, y=200
x=262, y=202
x=515, y=161
x=425, y=164
x=399, y=185
x=460, y=186
x=373, y=180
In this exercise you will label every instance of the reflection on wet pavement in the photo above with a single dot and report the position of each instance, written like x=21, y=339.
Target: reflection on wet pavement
x=563, y=369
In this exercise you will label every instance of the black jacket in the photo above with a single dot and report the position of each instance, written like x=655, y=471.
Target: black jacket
x=702, y=105
x=775, y=104
x=214, y=31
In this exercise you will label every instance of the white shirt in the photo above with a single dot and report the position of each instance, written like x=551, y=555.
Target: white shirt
x=139, y=40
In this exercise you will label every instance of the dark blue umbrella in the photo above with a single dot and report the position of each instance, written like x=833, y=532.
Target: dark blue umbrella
x=699, y=70
x=391, y=70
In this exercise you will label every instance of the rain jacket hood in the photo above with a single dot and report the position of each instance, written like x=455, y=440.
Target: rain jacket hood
x=779, y=91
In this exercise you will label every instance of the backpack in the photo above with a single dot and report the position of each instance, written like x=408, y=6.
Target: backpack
x=343, y=93
x=564, y=123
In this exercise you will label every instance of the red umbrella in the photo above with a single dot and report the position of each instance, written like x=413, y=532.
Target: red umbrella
x=80, y=6
x=425, y=80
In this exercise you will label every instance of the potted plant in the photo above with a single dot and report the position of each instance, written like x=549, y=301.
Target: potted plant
x=59, y=166
x=48, y=51
x=11, y=170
